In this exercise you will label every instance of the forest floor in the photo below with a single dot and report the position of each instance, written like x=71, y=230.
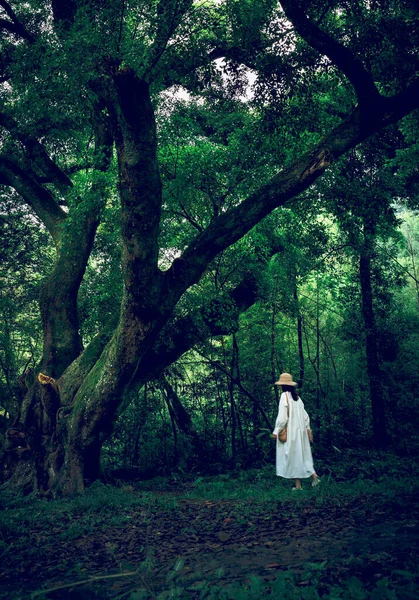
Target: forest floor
x=240, y=535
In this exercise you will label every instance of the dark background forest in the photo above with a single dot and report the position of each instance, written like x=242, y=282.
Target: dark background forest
x=196, y=196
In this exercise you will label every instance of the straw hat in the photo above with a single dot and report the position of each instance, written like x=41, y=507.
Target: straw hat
x=285, y=379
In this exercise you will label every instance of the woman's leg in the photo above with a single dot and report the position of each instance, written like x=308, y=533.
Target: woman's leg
x=298, y=484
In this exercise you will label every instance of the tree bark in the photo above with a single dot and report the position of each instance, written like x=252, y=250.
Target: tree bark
x=58, y=300
x=43, y=415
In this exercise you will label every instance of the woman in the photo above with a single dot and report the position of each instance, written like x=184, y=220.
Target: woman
x=293, y=457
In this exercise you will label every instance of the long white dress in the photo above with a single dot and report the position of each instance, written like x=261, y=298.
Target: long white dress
x=293, y=458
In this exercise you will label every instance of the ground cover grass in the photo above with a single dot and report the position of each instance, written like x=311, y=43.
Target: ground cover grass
x=133, y=541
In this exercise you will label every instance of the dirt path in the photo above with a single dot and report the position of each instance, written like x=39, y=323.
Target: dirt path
x=220, y=541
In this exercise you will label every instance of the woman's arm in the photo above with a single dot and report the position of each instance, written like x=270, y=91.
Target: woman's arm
x=282, y=418
x=307, y=425
x=306, y=420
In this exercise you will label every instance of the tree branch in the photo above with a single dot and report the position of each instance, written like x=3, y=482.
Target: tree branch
x=169, y=16
x=181, y=415
x=238, y=383
x=8, y=10
x=38, y=154
x=341, y=56
x=178, y=67
x=77, y=168
x=287, y=184
x=14, y=26
x=58, y=293
x=39, y=199
x=185, y=332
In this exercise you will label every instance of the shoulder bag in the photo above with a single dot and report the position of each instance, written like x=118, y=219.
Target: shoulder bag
x=282, y=435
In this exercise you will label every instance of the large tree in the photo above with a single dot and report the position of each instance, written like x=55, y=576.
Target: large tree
x=80, y=85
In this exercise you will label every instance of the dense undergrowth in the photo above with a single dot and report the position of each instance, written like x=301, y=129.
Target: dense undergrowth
x=386, y=484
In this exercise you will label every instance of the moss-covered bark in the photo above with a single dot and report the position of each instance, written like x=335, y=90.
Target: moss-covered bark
x=58, y=294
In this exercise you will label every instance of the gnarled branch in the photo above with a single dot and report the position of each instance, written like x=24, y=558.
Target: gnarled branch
x=339, y=54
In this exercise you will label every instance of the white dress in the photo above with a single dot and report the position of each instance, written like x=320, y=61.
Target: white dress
x=293, y=458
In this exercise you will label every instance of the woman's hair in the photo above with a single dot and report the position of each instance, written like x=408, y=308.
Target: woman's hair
x=291, y=389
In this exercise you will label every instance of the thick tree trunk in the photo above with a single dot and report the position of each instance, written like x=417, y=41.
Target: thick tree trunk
x=98, y=399
x=37, y=442
x=34, y=452
x=62, y=462
x=37, y=452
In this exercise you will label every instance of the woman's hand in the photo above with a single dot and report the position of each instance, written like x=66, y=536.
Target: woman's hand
x=274, y=436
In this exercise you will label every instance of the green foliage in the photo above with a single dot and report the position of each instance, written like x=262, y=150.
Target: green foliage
x=223, y=131
x=290, y=587
x=26, y=257
x=101, y=291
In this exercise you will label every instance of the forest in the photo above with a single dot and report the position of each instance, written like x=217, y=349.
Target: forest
x=195, y=197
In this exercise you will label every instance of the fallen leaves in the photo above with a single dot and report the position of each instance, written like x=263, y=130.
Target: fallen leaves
x=243, y=537
x=223, y=536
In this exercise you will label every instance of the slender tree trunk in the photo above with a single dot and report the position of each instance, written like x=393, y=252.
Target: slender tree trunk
x=174, y=432
x=315, y=363
x=136, y=448
x=182, y=418
x=244, y=390
x=372, y=353
x=233, y=410
x=318, y=403
x=233, y=413
x=237, y=377
x=299, y=336
x=273, y=352
x=221, y=404
x=413, y=259
x=164, y=436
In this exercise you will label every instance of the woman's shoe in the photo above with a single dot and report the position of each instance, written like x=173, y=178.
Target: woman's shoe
x=294, y=489
x=315, y=482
